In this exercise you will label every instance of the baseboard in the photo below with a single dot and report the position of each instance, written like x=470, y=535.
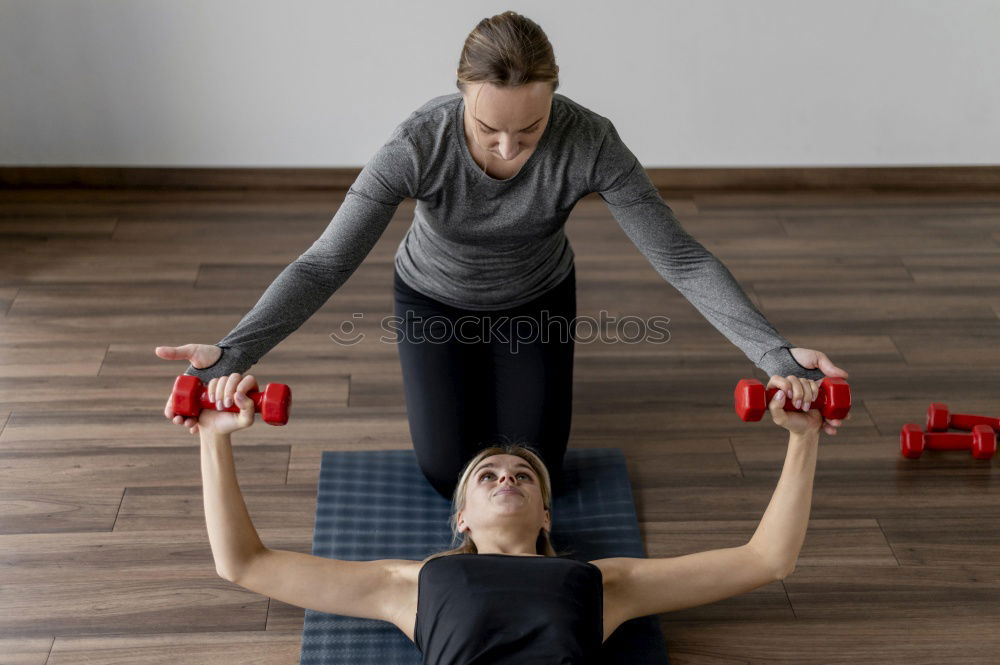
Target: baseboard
x=874, y=179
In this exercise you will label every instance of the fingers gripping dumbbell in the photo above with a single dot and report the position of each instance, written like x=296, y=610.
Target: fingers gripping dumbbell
x=982, y=441
x=939, y=420
x=190, y=396
x=833, y=400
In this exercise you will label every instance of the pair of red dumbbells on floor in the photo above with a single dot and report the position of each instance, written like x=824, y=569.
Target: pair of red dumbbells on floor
x=981, y=440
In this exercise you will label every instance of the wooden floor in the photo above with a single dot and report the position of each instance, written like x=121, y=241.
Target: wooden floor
x=104, y=556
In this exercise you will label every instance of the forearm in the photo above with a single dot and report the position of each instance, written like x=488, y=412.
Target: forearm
x=700, y=277
x=231, y=533
x=713, y=290
x=293, y=297
x=782, y=530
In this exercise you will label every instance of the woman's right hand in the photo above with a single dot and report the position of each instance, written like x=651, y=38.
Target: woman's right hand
x=797, y=388
x=198, y=356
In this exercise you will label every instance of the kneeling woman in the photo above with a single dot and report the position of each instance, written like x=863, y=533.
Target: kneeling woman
x=557, y=609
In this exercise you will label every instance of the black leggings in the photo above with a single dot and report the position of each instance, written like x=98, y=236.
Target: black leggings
x=475, y=378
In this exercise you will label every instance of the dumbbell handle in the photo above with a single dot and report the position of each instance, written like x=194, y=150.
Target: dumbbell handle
x=965, y=421
x=817, y=403
x=947, y=440
x=255, y=396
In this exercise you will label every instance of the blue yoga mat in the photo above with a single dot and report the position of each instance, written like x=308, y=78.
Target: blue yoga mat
x=378, y=505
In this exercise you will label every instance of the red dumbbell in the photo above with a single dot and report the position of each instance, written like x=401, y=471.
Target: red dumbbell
x=190, y=396
x=939, y=420
x=982, y=441
x=833, y=399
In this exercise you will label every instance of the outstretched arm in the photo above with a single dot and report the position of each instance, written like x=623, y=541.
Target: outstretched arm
x=637, y=587
x=682, y=261
x=367, y=589
x=305, y=285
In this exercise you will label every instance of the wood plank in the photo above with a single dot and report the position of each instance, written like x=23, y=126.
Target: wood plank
x=869, y=641
x=829, y=542
x=957, y=348
x=837, y=204
x=957, y=270
x=916, y=592
x=315, y=424
x=124, y=203
x=285, y=513
x=901, y=309
x=974, y=243
x=166, y=552
x=195, y=604
x=97, y=467
x=890, y=224
x=26, y=651
x=204, y=646
x=40, y=359
x=957, y=541
x=58, y=509
x=44, y=227
x=7, y=297
x=897, y=301
x=847, y=490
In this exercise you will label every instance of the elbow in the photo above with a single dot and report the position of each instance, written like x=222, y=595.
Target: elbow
x=770, y=564
x=235, y=572
x=786, y=571
x=226, y=574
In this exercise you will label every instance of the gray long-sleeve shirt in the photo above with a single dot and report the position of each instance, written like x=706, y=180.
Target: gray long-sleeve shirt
x=483, y=244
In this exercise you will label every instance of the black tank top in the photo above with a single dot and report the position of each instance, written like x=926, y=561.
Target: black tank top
x=485, y=609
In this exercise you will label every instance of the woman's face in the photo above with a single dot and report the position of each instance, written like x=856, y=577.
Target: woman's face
x=507, y=121
x=503, y=488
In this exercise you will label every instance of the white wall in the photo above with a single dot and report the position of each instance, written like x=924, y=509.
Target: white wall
x=320, y=83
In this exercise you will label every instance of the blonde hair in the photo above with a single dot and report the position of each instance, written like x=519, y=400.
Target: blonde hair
x=543, y=544
x=507, y=50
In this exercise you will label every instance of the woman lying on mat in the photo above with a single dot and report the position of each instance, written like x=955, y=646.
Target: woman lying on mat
x=506, y=572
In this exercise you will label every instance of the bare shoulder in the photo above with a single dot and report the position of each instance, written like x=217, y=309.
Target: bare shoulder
x=402, y=575
x=404, y=571
x=613, y=569
x=614, y=574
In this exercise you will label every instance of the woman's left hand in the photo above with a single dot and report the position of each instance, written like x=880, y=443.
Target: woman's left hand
x=812, y=359
x=233, y=388
x=817, y=360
